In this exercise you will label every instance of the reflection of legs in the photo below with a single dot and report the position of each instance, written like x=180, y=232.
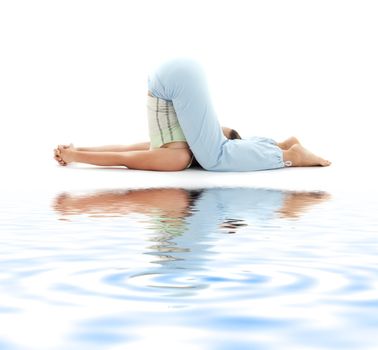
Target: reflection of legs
x=296, y=203
x=183, y=82
x=171, y=202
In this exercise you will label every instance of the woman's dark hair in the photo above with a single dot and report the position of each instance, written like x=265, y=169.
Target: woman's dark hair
x=233, y=135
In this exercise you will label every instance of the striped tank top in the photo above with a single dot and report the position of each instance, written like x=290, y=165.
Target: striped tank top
x=163, y=125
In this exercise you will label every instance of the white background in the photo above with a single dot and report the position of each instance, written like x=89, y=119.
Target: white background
x=76, y=71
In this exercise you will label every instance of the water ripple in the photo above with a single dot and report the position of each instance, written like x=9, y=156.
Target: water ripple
x=229, y=264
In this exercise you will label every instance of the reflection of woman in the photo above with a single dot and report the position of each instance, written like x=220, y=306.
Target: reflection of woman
x=167, y=207
x=183, y=123
x=186, y=222
x=223, y=205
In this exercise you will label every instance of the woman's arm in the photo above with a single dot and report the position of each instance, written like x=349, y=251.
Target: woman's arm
x=143, y=146
x=162, y=159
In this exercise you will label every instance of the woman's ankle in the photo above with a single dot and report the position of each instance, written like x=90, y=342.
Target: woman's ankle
x=291, y=156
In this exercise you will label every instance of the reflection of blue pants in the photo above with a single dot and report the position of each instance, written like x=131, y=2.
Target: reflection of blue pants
x=182, y=81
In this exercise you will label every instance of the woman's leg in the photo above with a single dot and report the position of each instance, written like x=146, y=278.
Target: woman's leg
x=163, y=159
x=285, y=145
x=183, y=81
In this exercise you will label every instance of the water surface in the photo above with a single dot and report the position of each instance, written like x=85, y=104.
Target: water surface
x=206, y=268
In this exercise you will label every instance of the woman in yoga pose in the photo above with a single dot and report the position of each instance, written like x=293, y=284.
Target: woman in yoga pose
x=184, y=129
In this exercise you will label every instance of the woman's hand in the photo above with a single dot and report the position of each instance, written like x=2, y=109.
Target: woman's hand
x=57, y=156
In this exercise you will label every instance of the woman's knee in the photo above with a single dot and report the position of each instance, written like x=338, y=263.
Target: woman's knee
x=181, y=70
x=187, y=64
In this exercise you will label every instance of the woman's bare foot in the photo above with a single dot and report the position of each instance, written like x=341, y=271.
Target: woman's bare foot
x=285, y=145
x=300, y=156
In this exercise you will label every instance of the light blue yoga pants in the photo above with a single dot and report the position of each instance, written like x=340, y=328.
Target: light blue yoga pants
x=182, y=81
